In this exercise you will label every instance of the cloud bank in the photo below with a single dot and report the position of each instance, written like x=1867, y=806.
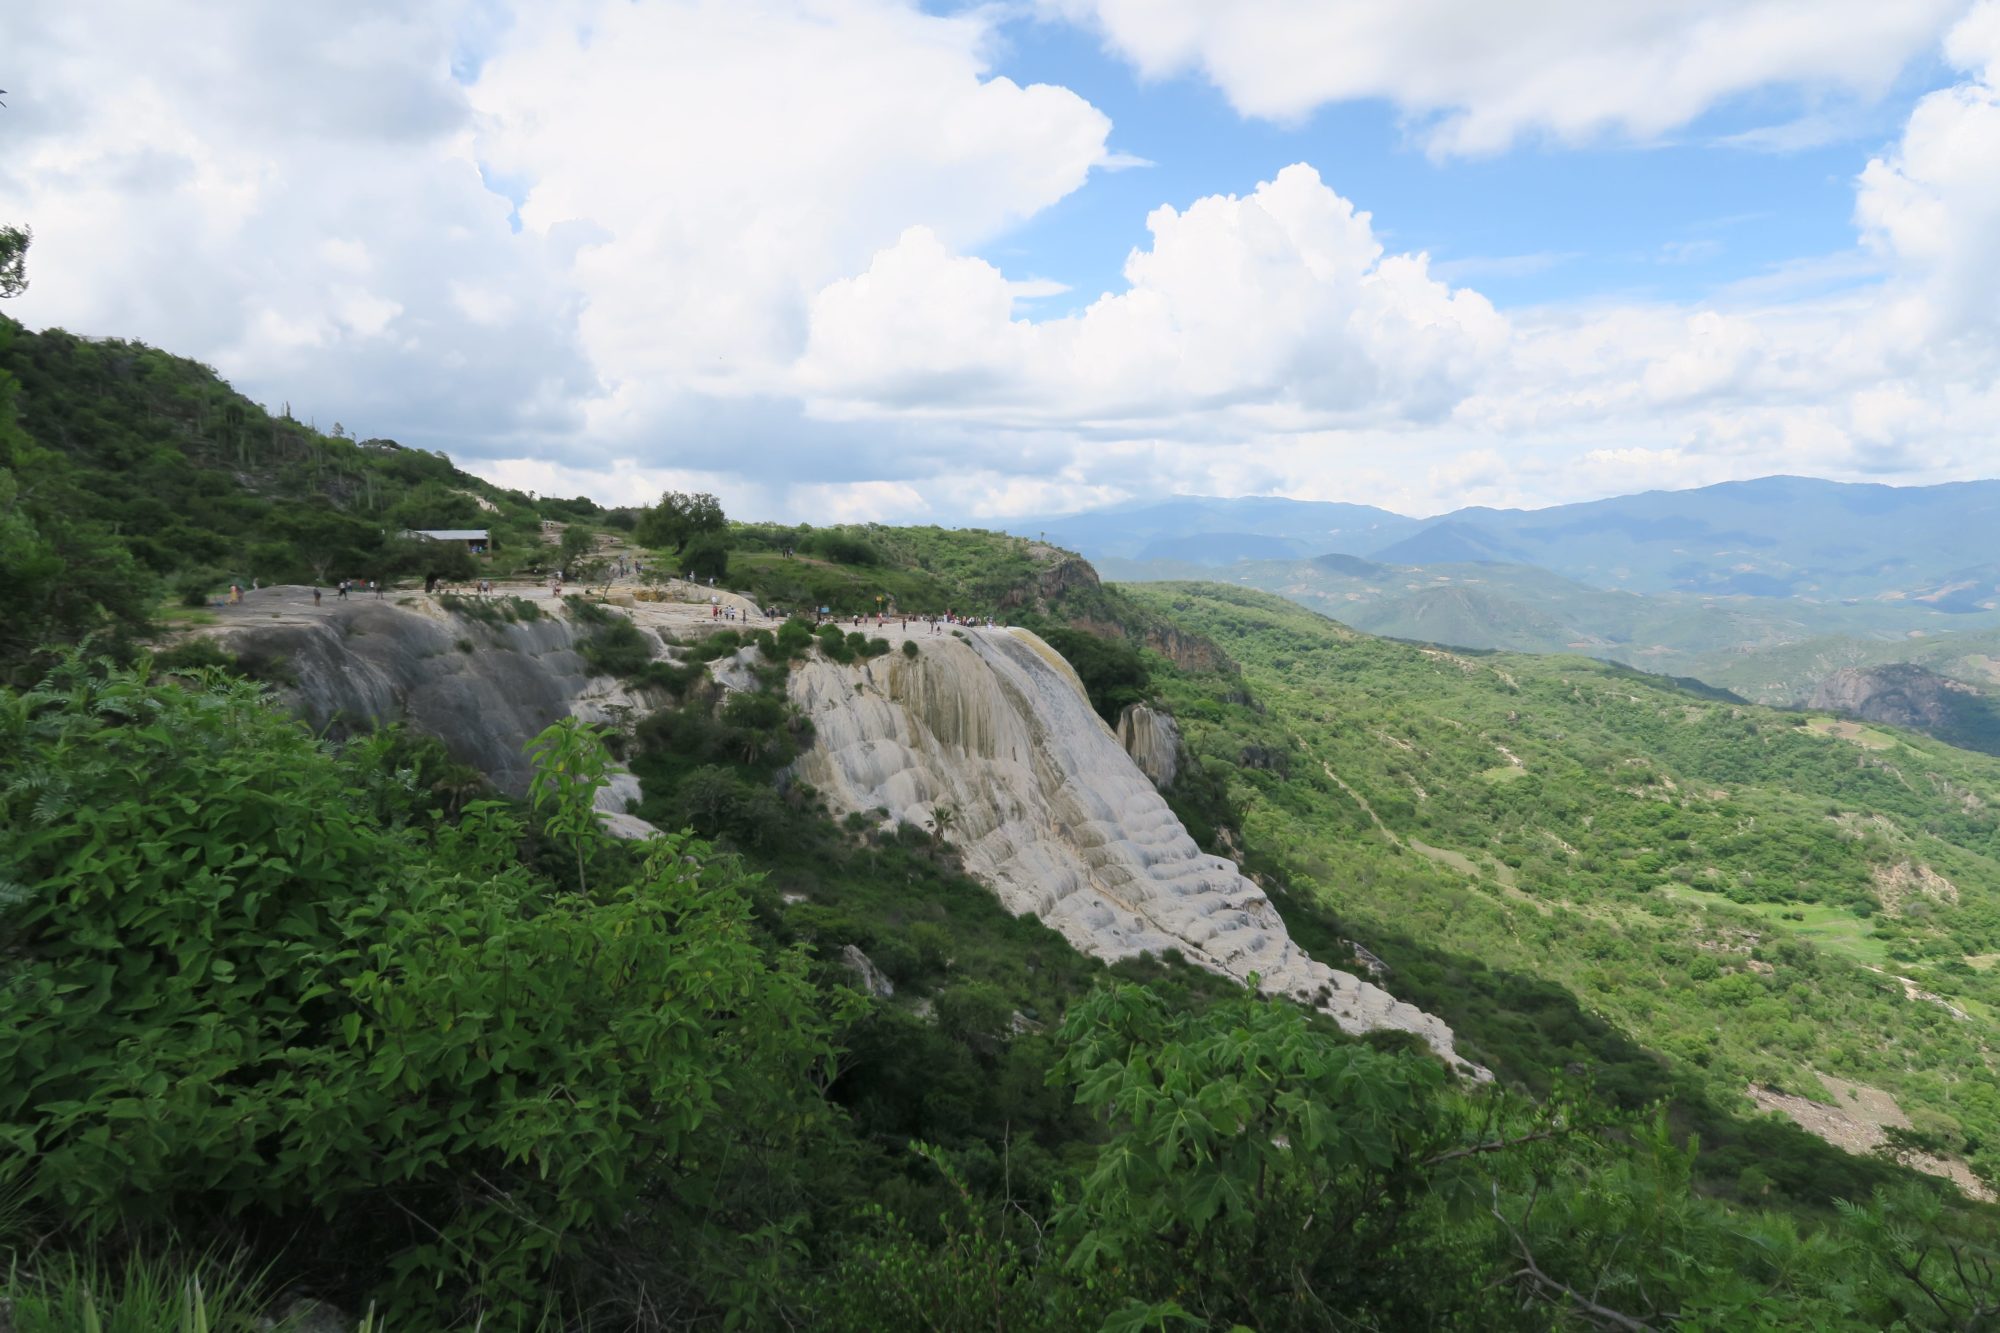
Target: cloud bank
x=607, y=247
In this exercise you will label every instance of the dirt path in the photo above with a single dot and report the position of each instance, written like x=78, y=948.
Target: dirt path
x=681, y=620
x=1359, y=800
x=1858, y=1121
x=1502, y=875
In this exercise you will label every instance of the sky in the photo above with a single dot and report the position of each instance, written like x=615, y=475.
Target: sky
x=843, y=260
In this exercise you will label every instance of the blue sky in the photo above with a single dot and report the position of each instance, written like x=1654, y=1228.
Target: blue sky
x=800, y=252
x=1668, y=220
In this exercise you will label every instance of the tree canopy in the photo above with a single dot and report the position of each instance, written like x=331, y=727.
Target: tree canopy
x=14, y=242
x=678, y=519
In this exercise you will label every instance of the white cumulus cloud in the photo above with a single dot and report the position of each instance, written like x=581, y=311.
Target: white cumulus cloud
x=1476, y=77
x=1933, y=203
x=764, y=248
x=727, y=158
x=1280, y=303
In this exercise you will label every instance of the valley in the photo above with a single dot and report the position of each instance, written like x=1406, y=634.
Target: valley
x=896, y=912
x=1091, y=666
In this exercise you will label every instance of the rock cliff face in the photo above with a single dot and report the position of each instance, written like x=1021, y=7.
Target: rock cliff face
x=361, y=663
x=1189, y=652
x=1067, y=574
x=1903, y=694
x=1153, y=740
x=1047, y=809
x=988, y=732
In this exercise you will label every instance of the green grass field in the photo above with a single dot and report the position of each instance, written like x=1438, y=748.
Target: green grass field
x=1868, y=738
x=1832, y=928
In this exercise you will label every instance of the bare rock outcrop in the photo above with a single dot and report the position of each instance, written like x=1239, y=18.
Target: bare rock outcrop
x=1048, y=810
x=1153, y=739
x=485, y=689
x=1189, y=652
x=1903, y=694
x=1067, y=574
x=873, y=979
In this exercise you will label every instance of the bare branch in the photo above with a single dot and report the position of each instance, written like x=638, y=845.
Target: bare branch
x=1530, y=1273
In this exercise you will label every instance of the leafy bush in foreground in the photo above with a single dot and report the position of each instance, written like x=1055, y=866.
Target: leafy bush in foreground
x=236, y=992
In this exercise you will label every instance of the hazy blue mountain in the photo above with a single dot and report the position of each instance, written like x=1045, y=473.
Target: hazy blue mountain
x=1207, y=531
x=1222, y=548
x=1774, y=537
x=1451, y=543
x=1775, y=649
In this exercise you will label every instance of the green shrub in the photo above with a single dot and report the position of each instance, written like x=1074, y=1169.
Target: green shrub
x=794, y=639
x=616, y=647
x=933, y=945
x=843, y=548
x=675, y=678
x=1112, y=671
x=706, y=557
x=192, y=655
x=194, y=589
x=237, y=990
x=910, y=649
x=721, y=643
x=833, y=643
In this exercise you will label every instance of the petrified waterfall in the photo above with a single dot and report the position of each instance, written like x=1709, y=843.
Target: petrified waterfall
x=1048, y=809
x=1045, y=804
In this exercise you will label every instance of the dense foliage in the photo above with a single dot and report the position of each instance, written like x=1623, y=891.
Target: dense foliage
x=1111, y=669
x=123, y=468
x=335, y=1016
x=477, y=1062
x=1575, y=864
x=265, y=988
x=865, y=568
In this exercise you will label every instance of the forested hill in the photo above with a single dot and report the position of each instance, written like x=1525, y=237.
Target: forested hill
x=138, y=472
x=1771, y=537
x=1751, y=898
x=341, y=1012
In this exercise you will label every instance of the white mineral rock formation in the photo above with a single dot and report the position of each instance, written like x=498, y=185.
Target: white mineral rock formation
x=1153, y=739
x=1049, y=810
x=873, y=979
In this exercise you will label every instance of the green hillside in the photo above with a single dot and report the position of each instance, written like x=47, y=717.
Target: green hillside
x=136, y=475
x=307, y=1018
x=1788, y=674
x=1732, y=889
x=1724, y=639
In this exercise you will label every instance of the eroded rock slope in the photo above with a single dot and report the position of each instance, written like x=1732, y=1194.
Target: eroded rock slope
x=484, y=689
x=987, y=731
x=992, y=728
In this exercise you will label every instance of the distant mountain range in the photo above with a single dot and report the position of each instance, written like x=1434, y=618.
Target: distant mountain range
x=1773, y=537
x=1767, y=588
x=1721, y=639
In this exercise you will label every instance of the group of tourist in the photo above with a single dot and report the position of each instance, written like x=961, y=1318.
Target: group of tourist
x=237, y=596
x=455, y=587
x=938, y=623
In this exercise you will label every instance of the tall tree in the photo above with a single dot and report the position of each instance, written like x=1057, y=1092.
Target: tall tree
x=14, y=242
x=678, y=519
